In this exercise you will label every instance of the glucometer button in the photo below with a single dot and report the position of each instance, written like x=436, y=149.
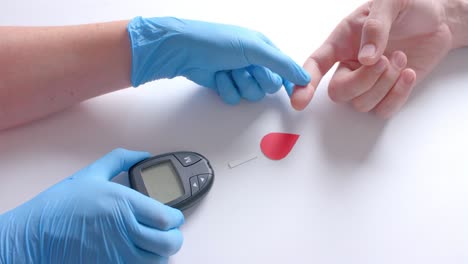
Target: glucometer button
x=202, y=179
x=187, y=159
x=194, y=185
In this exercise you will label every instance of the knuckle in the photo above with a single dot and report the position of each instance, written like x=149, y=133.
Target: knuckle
x=373, y=25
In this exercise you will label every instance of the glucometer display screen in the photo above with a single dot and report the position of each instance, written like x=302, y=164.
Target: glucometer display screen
x=162, y=182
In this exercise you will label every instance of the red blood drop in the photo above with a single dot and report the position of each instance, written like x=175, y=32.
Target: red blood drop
x=277, y=146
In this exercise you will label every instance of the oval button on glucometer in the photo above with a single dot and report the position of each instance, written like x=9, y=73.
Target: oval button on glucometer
x=187, y=159
x=170, y=179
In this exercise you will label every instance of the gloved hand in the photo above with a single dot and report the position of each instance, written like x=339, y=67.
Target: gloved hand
x=88, y=219
x=234, y=61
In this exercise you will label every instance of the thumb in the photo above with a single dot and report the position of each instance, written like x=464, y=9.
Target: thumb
x=113, y=163
x=376, y=29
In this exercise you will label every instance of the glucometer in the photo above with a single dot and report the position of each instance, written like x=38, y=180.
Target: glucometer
x=178, y=179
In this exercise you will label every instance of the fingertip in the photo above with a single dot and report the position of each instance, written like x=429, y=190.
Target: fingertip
x=113, y=163
x=302, y=96
x=179, y=217
x=123, y=152
x=374, y=36
x=165, y=243
x=131, y=157
x=173, y=218
x=177, y=240
x=369, y=54
x=409, y=76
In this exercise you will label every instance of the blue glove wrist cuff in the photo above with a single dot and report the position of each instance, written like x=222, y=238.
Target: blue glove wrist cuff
x=149, y=63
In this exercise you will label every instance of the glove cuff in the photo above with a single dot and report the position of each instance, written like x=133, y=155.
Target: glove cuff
x=152, y=54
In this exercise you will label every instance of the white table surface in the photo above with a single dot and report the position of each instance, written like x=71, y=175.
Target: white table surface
x=355, y=189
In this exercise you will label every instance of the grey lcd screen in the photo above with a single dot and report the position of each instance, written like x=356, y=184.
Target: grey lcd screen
x=162, y=182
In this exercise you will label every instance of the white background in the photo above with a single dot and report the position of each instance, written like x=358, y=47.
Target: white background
x=355, y=189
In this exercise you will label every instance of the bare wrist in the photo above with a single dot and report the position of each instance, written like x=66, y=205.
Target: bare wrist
x=456, y=15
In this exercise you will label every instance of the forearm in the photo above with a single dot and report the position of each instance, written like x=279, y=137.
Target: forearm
x=47, y=69
x=456, y=15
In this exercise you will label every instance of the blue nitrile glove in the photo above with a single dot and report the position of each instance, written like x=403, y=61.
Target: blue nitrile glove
x=88, y=219
x=234, y=61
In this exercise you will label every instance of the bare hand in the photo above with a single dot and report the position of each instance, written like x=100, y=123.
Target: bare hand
x=382, y=47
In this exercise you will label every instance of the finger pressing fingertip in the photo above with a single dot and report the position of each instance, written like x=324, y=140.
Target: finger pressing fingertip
x=289, y=87
x=301, y=96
